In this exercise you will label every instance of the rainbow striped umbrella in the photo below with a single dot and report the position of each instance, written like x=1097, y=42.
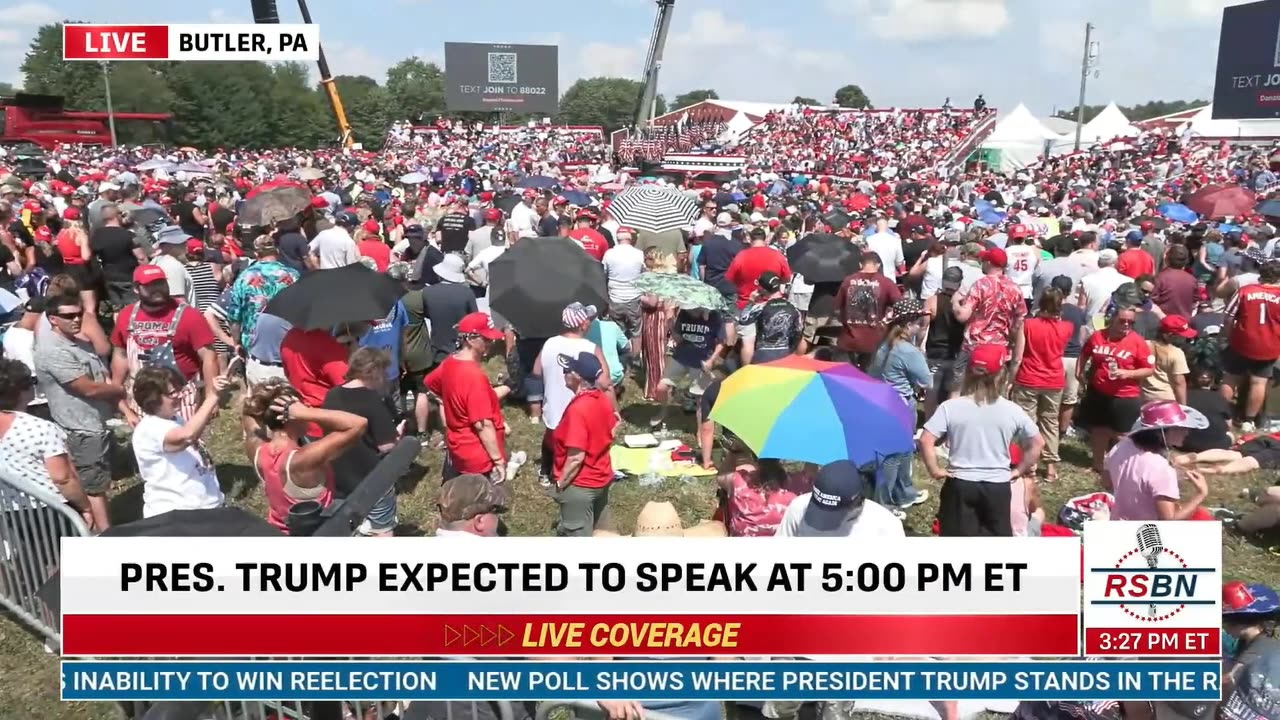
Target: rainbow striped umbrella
x=798, y=408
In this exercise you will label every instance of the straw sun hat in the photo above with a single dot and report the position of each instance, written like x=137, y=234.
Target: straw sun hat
x=660, y=519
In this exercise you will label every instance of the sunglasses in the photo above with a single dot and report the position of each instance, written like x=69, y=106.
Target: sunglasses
x=67, y=315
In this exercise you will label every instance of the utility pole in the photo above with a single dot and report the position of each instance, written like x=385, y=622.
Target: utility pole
x=1086, y=64
x=111, y=114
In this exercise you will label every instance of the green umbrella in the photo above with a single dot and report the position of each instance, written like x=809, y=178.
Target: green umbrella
x=682, y=290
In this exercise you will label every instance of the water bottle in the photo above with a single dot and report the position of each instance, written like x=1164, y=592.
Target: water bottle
x=651, y=476
x=410, y=400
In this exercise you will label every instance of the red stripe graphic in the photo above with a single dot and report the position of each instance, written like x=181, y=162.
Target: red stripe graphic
x=516, y=635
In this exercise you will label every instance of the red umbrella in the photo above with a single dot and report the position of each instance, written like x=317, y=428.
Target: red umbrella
x=857, y=202
x=275, y=184
x=1215, y=201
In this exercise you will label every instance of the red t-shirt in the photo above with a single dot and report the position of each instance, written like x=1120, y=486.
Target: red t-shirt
x=587, y=425
x=314, y=363
x=467, y=398
x=149, y=331
x=1135, y=262
x=1255, y=334
x=862, y=302
x=1130, y=352
x=591, y=241
x=1046, y=342
x=68, y=248
x=377, y=251
x=750, y=264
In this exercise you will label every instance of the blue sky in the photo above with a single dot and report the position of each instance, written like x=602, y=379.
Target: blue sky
x=905, y=53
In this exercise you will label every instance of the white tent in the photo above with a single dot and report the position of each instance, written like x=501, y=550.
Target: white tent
x=1019, y=138
x=1109, y=124
x=1203, y=125
x=739, y=124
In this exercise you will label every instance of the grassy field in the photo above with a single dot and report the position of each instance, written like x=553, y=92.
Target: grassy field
x=29, y=677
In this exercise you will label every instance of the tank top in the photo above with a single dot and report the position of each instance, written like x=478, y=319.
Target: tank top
x=273, y=472
x=69, y=248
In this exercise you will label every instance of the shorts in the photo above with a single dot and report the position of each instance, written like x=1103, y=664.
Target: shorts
x=945, y=379
x=675, y=372
x=1264, y=449
x=413, y=381
x=257, y=372
x=91, y=455
x=1071, y=390
x=627, y=315
x=1099, y=410
x=747, y=332
x=1235, y=364
x=974, y=509
x=815, y=325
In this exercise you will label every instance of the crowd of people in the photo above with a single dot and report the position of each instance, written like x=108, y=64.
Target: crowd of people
x=1009, y=311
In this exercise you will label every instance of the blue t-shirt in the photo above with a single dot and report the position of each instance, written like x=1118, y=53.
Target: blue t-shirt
x=609, y=337
x=903, y=366
x=386, y=335
x=694, y=252
x=268, y=334
x=696, y=337
x=1073, y=314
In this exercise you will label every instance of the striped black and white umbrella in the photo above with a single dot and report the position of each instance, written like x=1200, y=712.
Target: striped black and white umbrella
x=654, y=209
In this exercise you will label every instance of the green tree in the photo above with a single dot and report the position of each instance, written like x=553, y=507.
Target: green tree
x=606, y=101
x=368, y=106
x=415, y=88
x=693, y=97
x=851, y=96
x=299, y=115
x=45, y=72
x=223, y=104
x=1135, y=113
x=7, y=89
x=801, y=100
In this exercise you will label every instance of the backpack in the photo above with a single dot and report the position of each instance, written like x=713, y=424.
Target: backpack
x=161, y=355
x=862, y=307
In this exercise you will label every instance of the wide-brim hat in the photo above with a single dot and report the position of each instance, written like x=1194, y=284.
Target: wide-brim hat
x=660, y=519
x=1240, y=598
x=1166, y=414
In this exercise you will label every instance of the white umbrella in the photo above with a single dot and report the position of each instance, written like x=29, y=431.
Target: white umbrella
x=413, y=178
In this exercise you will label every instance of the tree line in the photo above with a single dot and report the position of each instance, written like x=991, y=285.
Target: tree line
x=1135, y=113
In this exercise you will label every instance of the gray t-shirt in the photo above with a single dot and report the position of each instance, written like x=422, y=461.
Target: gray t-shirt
x=60, y=361
x=978, y=436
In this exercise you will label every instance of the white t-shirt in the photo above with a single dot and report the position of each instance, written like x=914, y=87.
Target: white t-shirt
x=623, y=263
x=875, y=521
x=20, y=344
x=175, y=272
x=183, y=480
x=1098, y=288
x=555, y=394
x=479, y=265
x=1021, y=269
x=334, y=248
x=525, y=220
x=889, y=247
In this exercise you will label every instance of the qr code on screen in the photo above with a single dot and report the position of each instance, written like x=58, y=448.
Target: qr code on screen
x=502, y=67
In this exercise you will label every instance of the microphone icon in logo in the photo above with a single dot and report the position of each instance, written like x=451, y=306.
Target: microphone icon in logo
x=1150, y=547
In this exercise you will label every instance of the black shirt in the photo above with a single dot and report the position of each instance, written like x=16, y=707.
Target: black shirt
x=1073, y=314
x=946, y=334
x=446, y=304
x=1218, y=411
x=778, y=325
x=1208, y=323
x=453, y=231
x=549, y=226
x=293, y=250
x=359, y=460
x=113, y=247
x=822, y=301
x=185, y=212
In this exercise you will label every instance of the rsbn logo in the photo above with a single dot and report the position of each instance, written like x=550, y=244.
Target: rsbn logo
x=1150, y=582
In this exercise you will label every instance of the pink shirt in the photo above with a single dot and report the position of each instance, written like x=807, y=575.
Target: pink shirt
x=754, y=513
x=1138, y=478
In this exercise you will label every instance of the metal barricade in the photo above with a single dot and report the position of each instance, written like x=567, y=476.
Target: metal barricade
x=33, y=520
x=297, y=710
x=582, y=710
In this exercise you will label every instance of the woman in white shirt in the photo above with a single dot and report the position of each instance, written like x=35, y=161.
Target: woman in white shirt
x=177, y=472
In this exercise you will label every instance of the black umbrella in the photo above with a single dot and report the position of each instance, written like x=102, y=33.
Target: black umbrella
x=531, y=284
x=507, y=203
x=824, y=258
x=275, y=204
x=325, y=298
x=537, y=182
x=837, y=219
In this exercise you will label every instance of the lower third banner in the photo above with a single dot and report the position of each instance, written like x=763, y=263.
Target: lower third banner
x=663, y=680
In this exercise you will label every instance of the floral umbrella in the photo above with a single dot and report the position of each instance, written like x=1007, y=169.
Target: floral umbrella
x=682, y=290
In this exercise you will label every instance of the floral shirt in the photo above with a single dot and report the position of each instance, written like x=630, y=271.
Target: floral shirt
x=997, y=305
x=253, y=290
x=753, y=512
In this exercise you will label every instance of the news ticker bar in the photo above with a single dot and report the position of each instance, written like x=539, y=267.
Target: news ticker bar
x=592, y=681
x=552, y=635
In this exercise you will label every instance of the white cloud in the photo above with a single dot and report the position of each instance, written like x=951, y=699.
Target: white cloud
x=9, y=37
x=597, y=59
x=1170, y=12
x=914, y=20
x=347, y=59
x=30, y=13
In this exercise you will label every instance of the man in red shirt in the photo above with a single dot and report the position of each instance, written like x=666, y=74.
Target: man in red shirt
x=992, y=310
x=1252, y=328
x=751, y=263
x=160, y=331
x=1135, y=262
x=314, y=363
x=863, y=300
x=582, y=469
x=372, y=246
x=587, y=236
x=474, y=432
